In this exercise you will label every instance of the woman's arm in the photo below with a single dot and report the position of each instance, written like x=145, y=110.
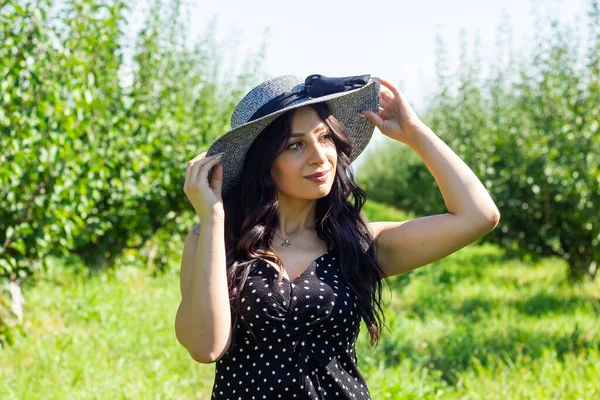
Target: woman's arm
x=407, y=245
x=463, y=192
x=203, y=321
x=404, y=246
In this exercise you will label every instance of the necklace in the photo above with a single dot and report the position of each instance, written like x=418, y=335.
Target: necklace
x=286, y=242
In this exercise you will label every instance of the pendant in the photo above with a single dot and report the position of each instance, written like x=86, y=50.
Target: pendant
x=286, y=243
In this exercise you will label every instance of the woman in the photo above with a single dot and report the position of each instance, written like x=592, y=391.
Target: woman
x=283, y=266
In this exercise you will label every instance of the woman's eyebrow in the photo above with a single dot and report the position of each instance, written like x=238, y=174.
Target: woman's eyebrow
x=300, y=134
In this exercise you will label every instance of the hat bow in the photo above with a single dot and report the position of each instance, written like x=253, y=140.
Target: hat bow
x=315, y=86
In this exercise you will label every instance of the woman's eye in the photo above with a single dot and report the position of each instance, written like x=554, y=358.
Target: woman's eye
x=290, y=146
x=326, y=136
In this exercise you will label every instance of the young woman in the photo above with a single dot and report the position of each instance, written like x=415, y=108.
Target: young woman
x=283, y=266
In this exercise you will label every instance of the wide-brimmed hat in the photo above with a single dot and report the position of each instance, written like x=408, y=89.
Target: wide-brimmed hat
x=346, y=97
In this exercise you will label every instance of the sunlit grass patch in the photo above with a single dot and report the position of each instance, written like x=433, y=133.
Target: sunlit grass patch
x=474, y=325
x=475, y=314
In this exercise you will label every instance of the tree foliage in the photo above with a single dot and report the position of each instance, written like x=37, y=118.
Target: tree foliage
x=529, y=131
x=95, y=133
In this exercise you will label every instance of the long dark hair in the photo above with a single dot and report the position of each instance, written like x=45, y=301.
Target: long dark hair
x=251, y=219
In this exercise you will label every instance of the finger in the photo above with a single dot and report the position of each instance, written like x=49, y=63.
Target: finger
x=384, y=115
x=187, y=176
x=395, y=91
x=385, y=92
x=389, y=86
x=398, y=95
x=216, y=181
x=199, y=162
x=373, y=117
x=383, y=103
x=190, y=167
x=203, y=172
x=198, y=157
x=386, y=95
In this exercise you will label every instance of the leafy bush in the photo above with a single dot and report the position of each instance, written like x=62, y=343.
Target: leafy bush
x=529, y=131
x=95, y=134
x=93, y=165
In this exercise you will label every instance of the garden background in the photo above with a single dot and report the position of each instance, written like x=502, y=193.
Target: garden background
x=93, y=215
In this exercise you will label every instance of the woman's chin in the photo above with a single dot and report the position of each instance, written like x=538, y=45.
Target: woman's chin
x=321, y=190
x=312, y=191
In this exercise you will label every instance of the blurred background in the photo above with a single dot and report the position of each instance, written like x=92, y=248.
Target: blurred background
x=102, y=103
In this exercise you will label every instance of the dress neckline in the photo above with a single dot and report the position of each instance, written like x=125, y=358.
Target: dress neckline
x=306, y=270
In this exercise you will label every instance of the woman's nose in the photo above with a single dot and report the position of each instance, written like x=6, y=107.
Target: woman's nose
x=318, y=152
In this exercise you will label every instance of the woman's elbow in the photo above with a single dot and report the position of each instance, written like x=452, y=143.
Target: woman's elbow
x=202, y=357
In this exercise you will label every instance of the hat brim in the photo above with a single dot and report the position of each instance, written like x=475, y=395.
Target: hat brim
x=344, y=106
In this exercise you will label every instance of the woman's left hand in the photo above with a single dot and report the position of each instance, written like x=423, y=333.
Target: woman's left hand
x=396, y=118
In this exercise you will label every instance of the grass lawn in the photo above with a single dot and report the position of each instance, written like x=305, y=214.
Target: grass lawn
x=472, y=326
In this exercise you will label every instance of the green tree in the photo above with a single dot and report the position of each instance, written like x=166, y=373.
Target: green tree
x=530, y=132
x=94, y=146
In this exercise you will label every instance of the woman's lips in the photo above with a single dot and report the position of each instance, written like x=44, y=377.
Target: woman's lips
x=319, y=178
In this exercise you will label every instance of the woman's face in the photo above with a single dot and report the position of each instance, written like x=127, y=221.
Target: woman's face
x=309, y=150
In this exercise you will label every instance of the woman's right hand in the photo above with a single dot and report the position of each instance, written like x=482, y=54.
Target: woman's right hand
x=206, y=199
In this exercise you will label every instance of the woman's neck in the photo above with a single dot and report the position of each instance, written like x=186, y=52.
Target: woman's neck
x=296, y=216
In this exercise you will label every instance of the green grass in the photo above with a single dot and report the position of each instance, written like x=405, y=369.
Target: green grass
x=472, y=326
x=478, y=326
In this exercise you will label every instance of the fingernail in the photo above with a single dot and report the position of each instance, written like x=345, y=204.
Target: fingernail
x=219, y=156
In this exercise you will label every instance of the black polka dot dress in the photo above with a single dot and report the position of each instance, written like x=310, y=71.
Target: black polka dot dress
x=300, y=340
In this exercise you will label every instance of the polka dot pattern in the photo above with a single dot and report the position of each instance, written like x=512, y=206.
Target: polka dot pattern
x=300, y=339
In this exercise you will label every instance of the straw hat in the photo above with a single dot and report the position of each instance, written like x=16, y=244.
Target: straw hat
x=345, y=96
